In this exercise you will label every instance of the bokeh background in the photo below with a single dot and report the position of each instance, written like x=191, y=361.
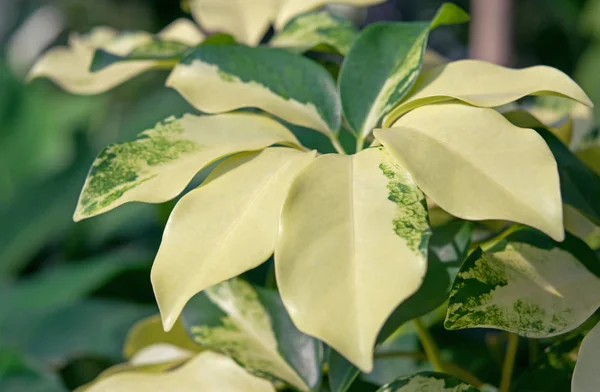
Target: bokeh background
x=69, y=292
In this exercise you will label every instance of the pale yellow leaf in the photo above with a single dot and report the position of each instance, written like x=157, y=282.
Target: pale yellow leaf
x=476, y=165
x=487, y=85
x=206, y=372
x=225, y=227
x=247, y=21
x=160, y=353
x=161, y=162
x=291, y=8
x=69, y=67
x=586, y=377
x=150, y=331
x=352, y=246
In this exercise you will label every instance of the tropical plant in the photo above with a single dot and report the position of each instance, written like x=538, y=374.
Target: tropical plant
x=363, y=240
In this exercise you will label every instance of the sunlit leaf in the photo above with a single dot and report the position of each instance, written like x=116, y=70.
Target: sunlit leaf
x=225, y=227
x=315, y=31
x=586, y=377
x=69, y=66
x=160, y=163
x=493, y=169
x=428, y=381
x=352, y=246
x=252, y=327
x=527, y=285
x=217, y=79
x=206, y=372
x=383, y=65
x=485, y=84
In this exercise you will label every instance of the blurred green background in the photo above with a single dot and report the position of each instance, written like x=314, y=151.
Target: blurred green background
x=69, y=292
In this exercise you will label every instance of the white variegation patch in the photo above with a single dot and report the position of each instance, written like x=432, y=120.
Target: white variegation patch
x=245, y=333
x=529, y=291
x=211, y=90
x=160, y=163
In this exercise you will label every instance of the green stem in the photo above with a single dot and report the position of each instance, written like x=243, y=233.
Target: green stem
x=336, y=144
x=509, y=362
x=431, y=349
x=360, y=143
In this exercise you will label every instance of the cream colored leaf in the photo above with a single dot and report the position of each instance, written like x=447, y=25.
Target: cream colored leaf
x=69, y=67
x=487, y=85
x=206, y=372
x=160, y=353
x=247, y=21
x=292, y=8
x=580, y=226
x=150, y=331
x=225, y=227
x=160, y=163
x=530, y=291
x=352, y=246
x=476, y=165
x=586, y=376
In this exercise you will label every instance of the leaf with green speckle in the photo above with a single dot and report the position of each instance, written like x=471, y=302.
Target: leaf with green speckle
x=251, y=326
x=428, y=382
x=159, y=164
x=383, y=65
x=217, y=79
x=528, y=285
x=317, y=31
x=374, y=220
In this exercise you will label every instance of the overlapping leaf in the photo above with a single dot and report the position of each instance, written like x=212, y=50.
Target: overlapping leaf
x=343, y=268
x=493, y=169
x=225, y=227
x=586, y=377
x=528, y=285
x=317, y=31
x=159, y=164
x=252, y=327
x=70, y=66
x=383, y=65
x=484, y=84
x=217, y=79
x=428, y=381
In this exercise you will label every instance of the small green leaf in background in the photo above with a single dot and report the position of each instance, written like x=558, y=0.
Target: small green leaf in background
x=251, y=326
x=528, y=285
x=383, y=65
x=221, y=78
x=21, y=374
x=428, y=381
x=320, y=30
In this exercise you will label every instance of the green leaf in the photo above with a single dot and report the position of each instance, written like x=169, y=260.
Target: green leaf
x=162, y=161
x=374, y=218
x=206, y=372
x=217, y=79
x=164, y=52
x=383, y=65
x=528, y=285
x=251, y=326
x=514, y=178
x=428, y=381
x=319, y=30
x=225, y=227
x=21, y=374
x=448, y=248
x=580, y=185
x=586, y=377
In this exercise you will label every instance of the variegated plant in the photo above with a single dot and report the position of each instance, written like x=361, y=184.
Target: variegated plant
x=350, y=233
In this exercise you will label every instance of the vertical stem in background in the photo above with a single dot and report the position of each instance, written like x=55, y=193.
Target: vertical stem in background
x=491, y=28
x=509, y=362
x=431, y=349
x=360, y=143
x=336, y=144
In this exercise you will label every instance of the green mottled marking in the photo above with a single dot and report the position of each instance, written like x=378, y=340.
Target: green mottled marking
x=122, y=167
x=313, y=29
x=159, y=49
x=410, y=222
x=245, y=334
x=428, y=382
x=229, y=78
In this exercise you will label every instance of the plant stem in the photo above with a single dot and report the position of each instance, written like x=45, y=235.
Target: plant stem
x=509, y=362
x=336, y=144
x=360, y=143
x=431, y=349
